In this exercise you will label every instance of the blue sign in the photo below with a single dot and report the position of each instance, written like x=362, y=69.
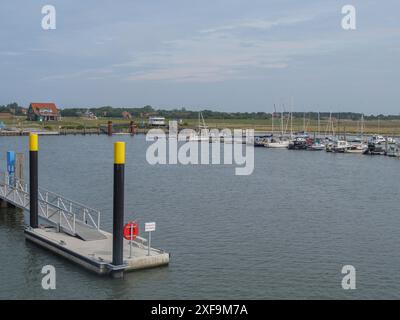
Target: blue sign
x=10, y=162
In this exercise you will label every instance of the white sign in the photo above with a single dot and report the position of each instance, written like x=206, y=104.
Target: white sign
x=149, y=226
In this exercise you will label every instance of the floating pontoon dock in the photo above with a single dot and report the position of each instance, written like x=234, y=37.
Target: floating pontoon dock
x=72, y=230
x=96, y=255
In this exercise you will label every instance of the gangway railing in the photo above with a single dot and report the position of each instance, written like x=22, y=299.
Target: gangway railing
x=53, y=207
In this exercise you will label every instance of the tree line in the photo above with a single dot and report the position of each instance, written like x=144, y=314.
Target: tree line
x=12, y=108
x=183, y=113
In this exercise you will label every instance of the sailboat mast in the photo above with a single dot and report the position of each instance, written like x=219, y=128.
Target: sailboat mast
x=291, y=124
x=273, y=113
x=362, y=127
x=331, y=125
x=199, y=122
x=291, y=119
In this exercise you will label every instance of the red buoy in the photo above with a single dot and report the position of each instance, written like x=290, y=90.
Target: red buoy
x=131, y=230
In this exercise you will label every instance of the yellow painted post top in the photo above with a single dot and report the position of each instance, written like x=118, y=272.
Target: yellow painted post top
x=119, y=152
x=33, y=142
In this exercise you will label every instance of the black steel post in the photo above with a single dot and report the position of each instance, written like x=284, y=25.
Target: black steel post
x=33, y=180
x=118, y=203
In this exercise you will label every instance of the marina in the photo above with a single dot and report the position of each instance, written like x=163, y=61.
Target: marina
x=332, y=141
x=192, y=160
x=306, y=228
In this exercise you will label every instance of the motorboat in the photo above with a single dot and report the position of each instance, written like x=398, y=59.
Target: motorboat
x=376, y=145
x=316, y=146
x=357, y=148
x=260, y=141
x=298, y=143
x=340, y=146
x=393, y=150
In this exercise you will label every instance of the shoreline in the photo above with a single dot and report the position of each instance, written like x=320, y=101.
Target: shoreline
x=24, y=132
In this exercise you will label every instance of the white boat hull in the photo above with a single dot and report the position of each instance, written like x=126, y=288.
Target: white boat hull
x=277, y=145
x=198, y=139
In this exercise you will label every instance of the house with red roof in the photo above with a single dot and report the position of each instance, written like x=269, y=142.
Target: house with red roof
x=39, y=111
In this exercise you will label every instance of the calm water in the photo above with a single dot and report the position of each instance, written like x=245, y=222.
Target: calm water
x=283, y=232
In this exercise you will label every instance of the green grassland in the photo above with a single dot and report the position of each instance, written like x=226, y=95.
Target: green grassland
x=65, y=123
x=384, y=127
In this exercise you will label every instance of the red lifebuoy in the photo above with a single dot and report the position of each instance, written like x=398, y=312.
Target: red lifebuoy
x=131, y=230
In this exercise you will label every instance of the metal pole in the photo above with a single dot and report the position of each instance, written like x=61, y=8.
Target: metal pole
x=118, y=203
x=33, y=180
x=130, y=242
x=149, y=242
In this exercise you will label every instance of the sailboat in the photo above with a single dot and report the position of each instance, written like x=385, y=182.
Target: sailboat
x=277, y=143
x=358, y=146
x=280, y=142
x=341, y=145
x=330, y=136
x=317, y=145
x=202, y=131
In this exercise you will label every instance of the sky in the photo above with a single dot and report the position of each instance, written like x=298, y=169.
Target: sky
x=225, y=55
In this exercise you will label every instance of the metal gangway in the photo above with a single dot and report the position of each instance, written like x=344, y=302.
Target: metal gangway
x=68, y=216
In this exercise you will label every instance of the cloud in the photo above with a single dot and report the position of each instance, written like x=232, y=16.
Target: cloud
x=11, y=53
x=89, y=74
x=209, y=55
x=260, y=24
x=222, y=53
x=213, y=57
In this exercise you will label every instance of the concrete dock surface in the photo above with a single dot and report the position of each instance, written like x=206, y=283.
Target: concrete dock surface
x=96, y=255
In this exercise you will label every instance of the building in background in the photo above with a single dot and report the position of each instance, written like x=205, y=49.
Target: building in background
x=156, y=121
x=43, y=112
x=126, y=115
x=89, y=115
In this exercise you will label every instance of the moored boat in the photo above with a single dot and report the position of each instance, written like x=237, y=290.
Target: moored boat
x=340, y=146
x=393, y=149
x=316, y=146
x=201, y=133
x=260, y=141
x=357, y=148
x=376, y=145
x=329, y=146
x=298, y=143
x=277, y=143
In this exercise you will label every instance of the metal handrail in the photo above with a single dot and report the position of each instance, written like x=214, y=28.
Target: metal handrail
x=70, y=210
x=22, y=182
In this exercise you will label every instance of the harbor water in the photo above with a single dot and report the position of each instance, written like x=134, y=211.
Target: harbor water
x=284, y=232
